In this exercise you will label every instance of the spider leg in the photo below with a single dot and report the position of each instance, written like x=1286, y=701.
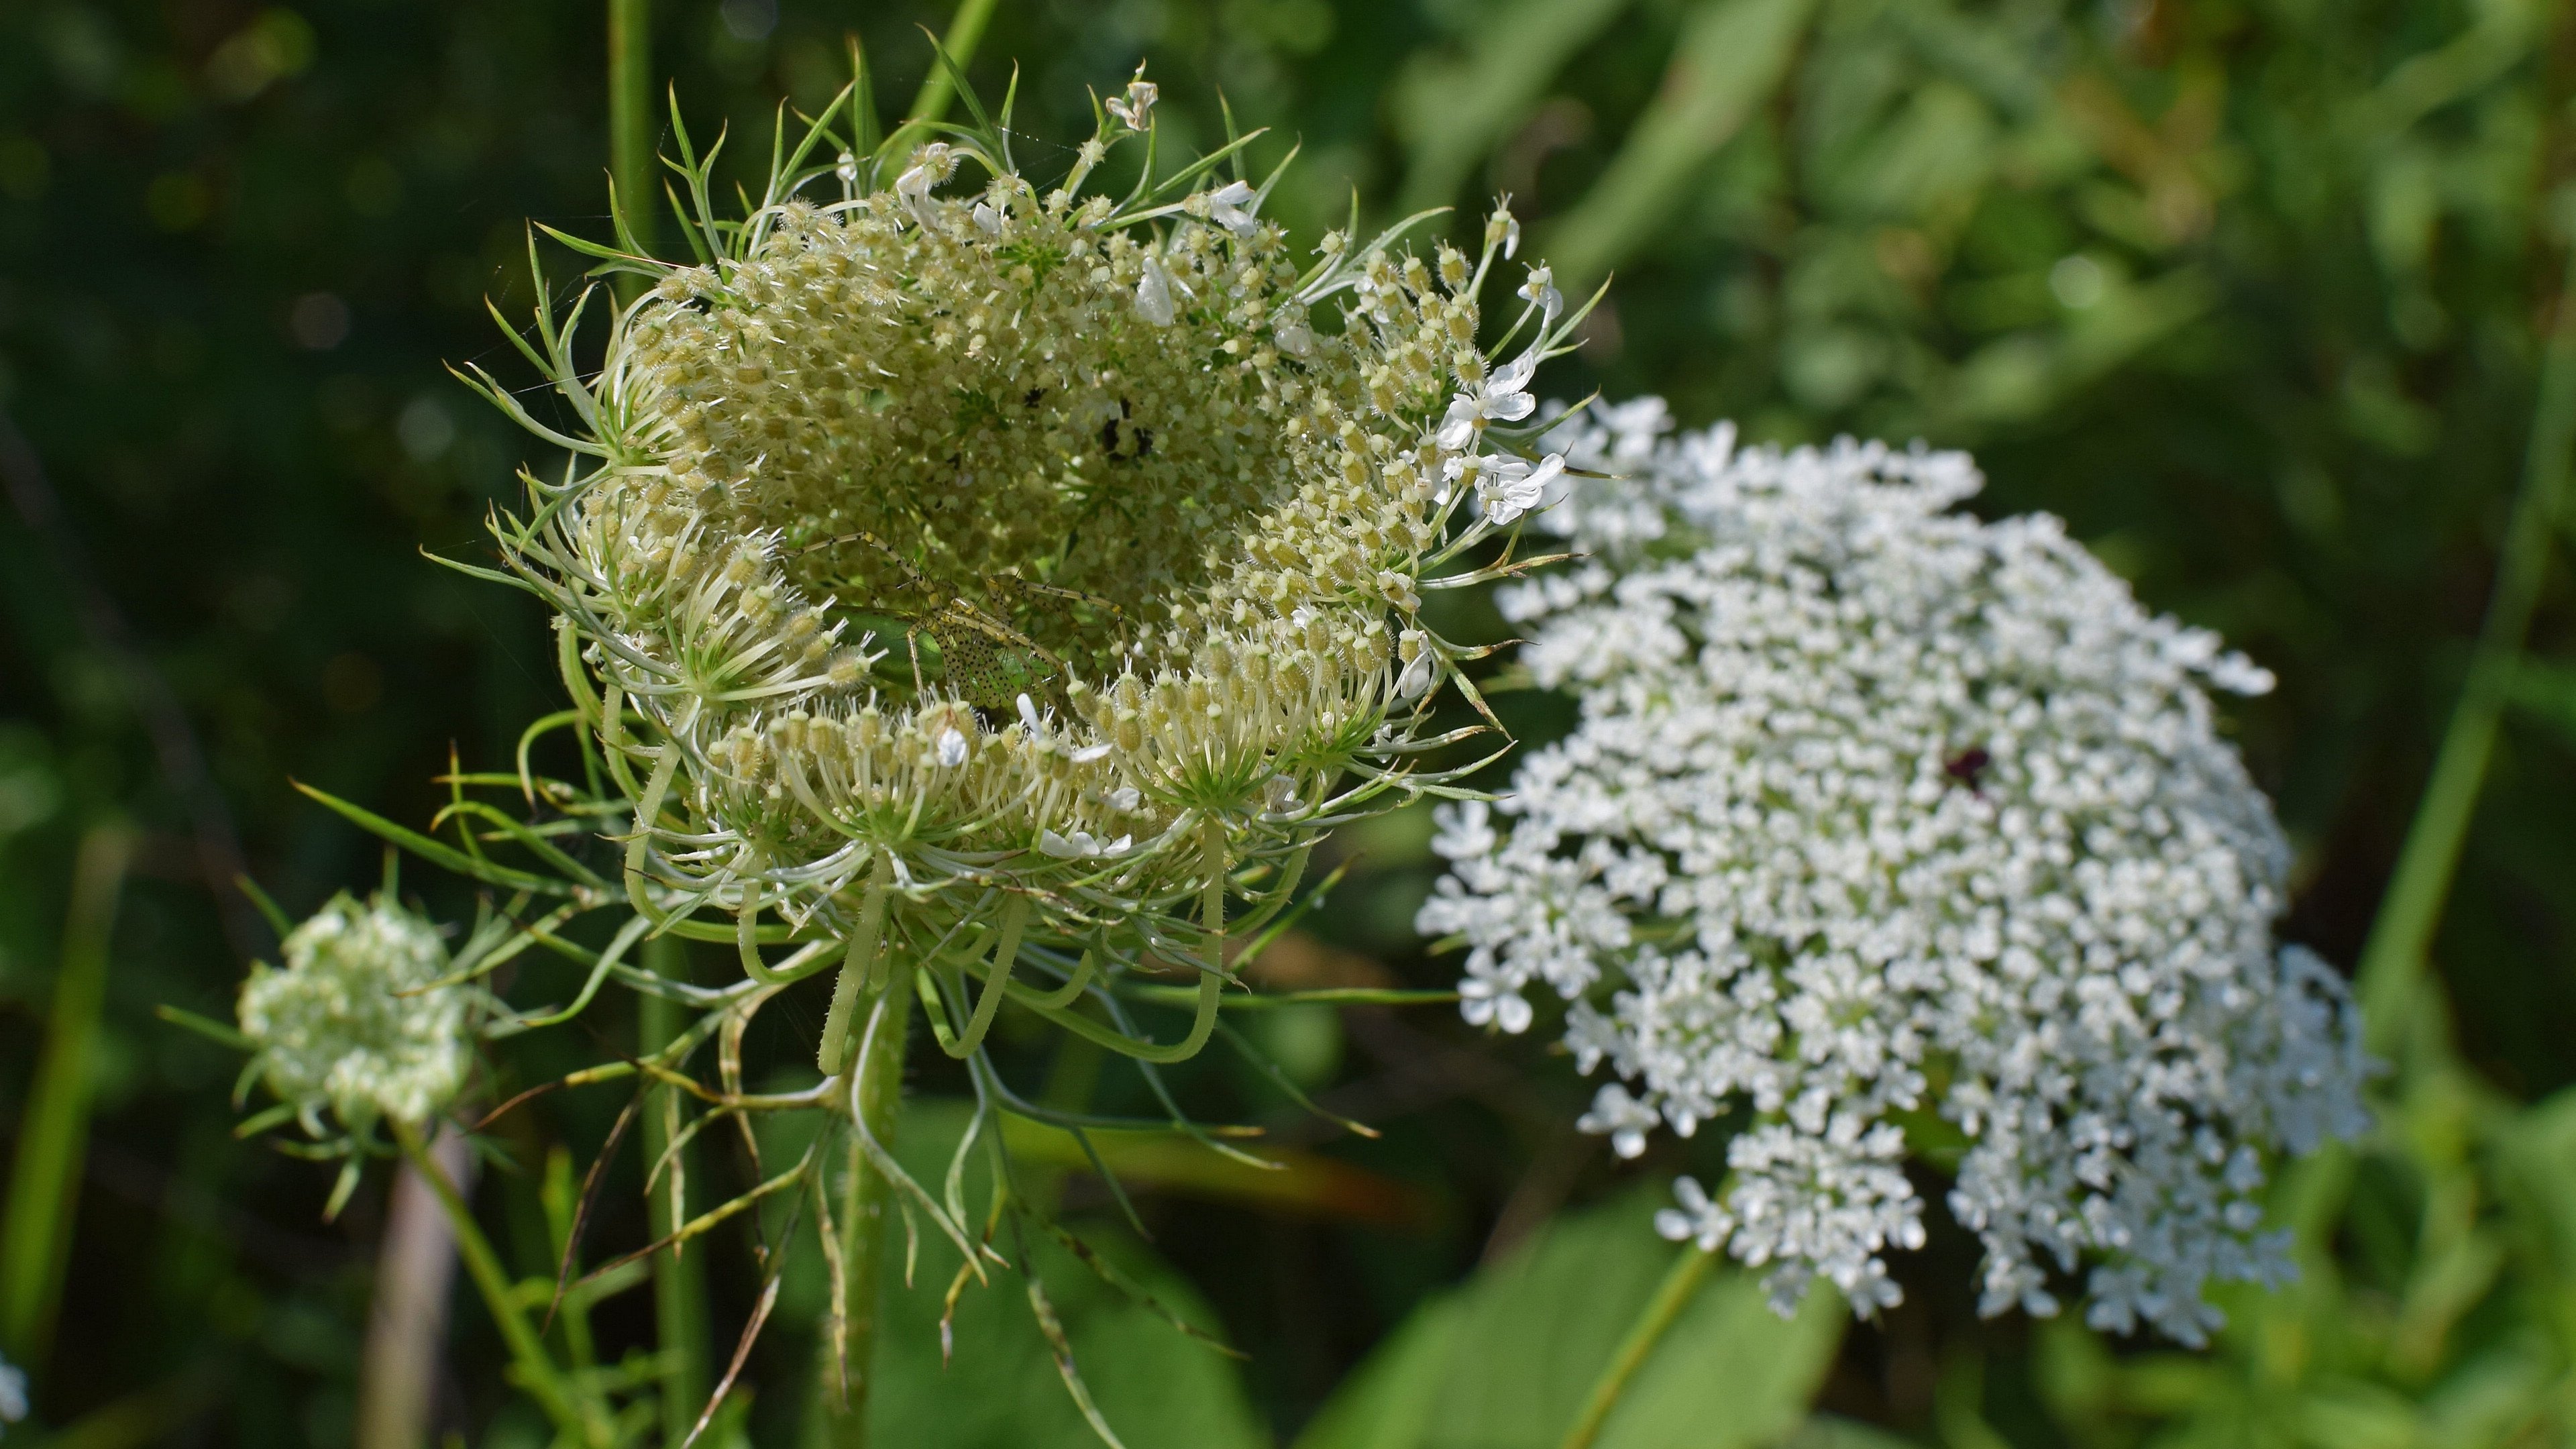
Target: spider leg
x=962, y=612
x=1077, y=595
x=912, y=646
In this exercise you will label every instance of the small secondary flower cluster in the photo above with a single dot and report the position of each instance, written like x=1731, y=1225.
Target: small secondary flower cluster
x=361, y=1019
x=1874, y=812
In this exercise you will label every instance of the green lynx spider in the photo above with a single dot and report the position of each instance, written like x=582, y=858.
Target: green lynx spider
x=975, y=649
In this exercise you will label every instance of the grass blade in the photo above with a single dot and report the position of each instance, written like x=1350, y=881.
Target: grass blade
x=44, y=1186
x=2393, y=959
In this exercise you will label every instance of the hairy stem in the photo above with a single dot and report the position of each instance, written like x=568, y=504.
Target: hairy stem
x=679, y=1277
x=867, y=1199
x=2393, y=961
x=1671, y=1297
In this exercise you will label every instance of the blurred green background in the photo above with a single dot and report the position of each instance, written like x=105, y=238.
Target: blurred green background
x=2253, y=294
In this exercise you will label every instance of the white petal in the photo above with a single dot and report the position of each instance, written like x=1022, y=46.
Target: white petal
x=1230, y=206
x=1029, y=715
x=952, y=748
x=1089, y=753
x=1458, y=428
x=1154, y=295
x=1416, y=677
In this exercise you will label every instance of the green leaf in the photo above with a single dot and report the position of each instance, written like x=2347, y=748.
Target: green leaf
x=1832, y=1431
x=1452, y=110
x=1505, y=1361
x=1157, y=1387
x=1388, y=1401
x=1733, y=54
x=432, y=850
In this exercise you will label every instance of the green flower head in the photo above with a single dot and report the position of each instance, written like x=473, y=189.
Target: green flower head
x=355, y=1021
x=1002, y=560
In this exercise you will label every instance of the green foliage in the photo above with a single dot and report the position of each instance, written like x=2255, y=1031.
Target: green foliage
x=44, y=1182
x=998, y=1388
x=2253, y=293
x=1505, y=1361
x=2433, y=1305
x=987, y=1378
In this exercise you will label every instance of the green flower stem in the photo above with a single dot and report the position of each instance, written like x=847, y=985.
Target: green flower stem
x=1273, y=1000
x=630, y=118
x=863, y=969
x=1204, y=999
x=2393, y=960
x=44, y=1186
x=930, y=103
x=1674, y=1294
x=583, y=1423
x=679, y=1278
x=867, y=1199
x=1006, y=954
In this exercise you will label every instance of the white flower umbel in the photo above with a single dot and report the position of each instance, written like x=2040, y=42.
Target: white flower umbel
x=357, y=1021
x=1017, y=554
x=1876, y=812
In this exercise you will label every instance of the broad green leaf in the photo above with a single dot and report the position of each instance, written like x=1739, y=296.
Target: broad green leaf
x=1831, y=1431
x=1387, y=1402
x=1506, y=1361
x=1157, y=1387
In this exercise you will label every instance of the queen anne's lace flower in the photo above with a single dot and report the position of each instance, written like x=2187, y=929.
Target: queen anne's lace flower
x=1876, y=811
x=1015, y=550
x=354, y=1022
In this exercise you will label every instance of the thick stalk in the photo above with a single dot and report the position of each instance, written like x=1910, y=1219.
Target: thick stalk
x=2393, y=960
x=1671, y=1297
x=679, y=1277
x=867, y=1199
x=630, y=121
x=53, y=1137
x=930, y=103
x=581, y=1423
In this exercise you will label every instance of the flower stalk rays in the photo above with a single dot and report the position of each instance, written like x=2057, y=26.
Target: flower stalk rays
x=1014, y=551
x=983, y=592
